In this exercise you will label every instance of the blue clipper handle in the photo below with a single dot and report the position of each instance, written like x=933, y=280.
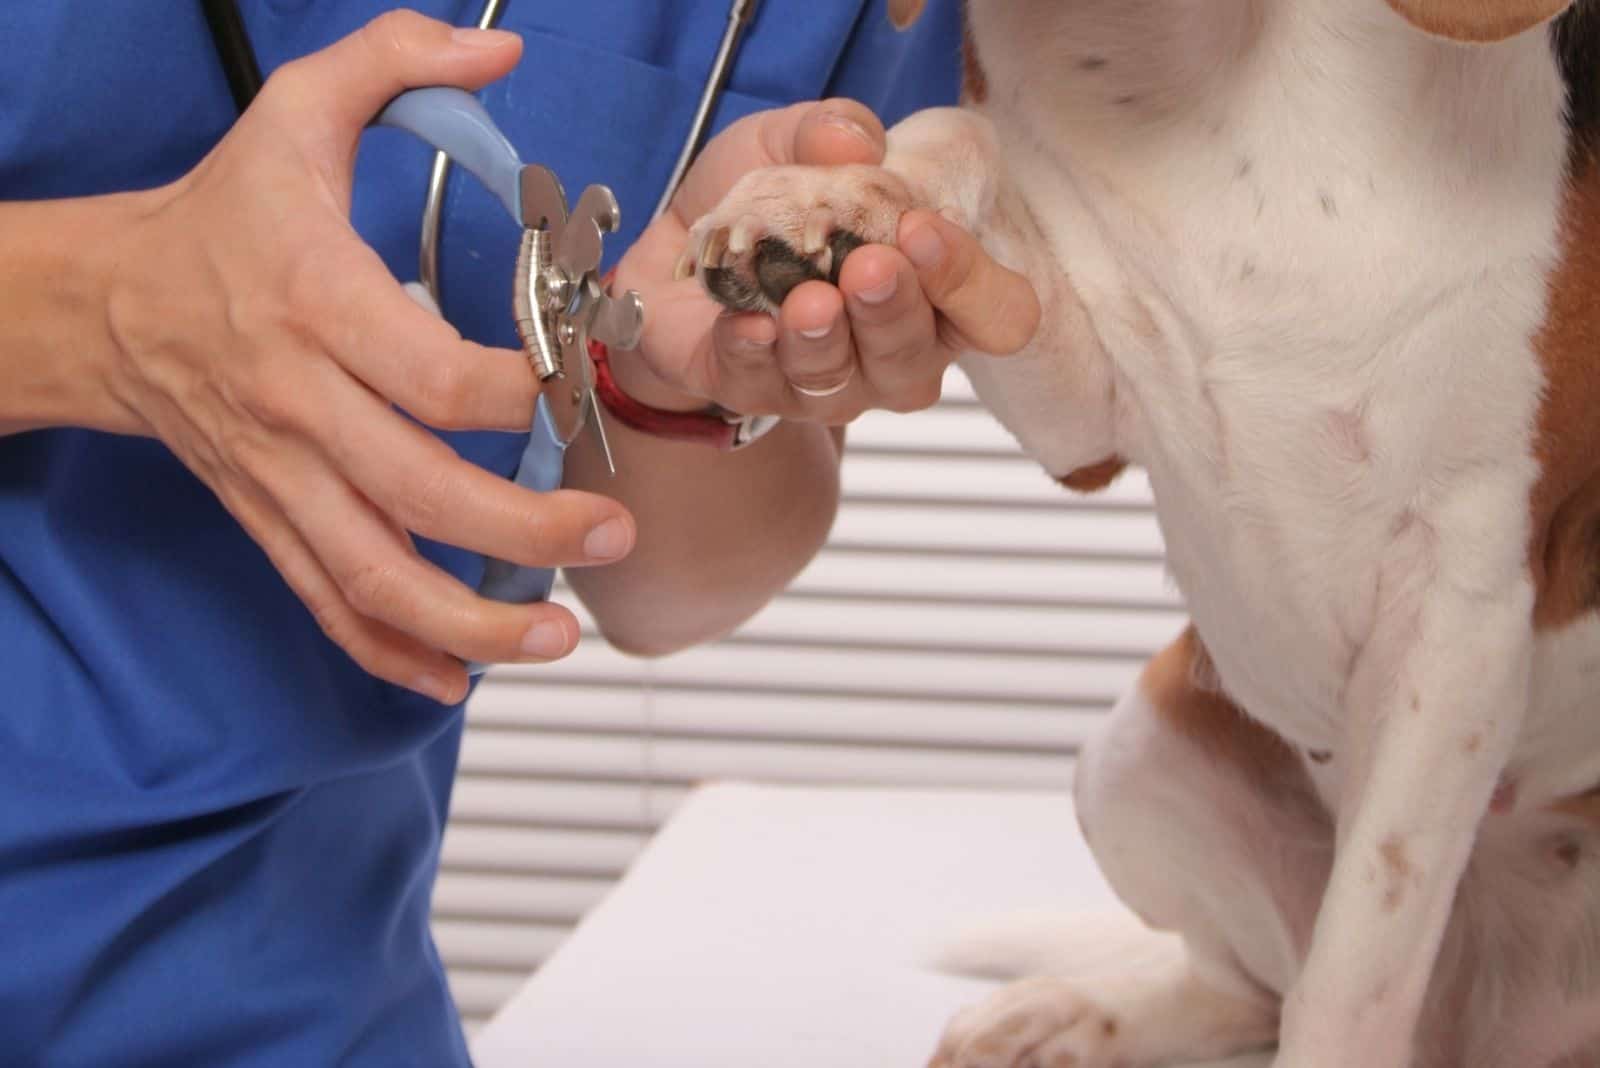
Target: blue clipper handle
x=452, y=121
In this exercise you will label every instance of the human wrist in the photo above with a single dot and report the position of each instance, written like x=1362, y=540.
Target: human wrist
x=634, y=377
x=58, y=350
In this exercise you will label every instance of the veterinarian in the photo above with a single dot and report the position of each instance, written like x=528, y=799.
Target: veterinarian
x=236, y=587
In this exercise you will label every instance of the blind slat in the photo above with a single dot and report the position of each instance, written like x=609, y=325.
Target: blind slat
x=999, y=531
x=938, y=430
x=558, y=851
x=519, y=947
x=532, y=898
x=912, y=577
x=1050, y=629
x=692, y=760
x=942, y=675
x=621, y=708
x=995, y=479
x=605, y=806
x=480, y=991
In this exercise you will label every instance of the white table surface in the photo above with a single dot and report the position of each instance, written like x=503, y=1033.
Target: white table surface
x=787, y=927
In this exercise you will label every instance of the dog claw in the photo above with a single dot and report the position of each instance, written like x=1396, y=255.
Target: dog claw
x=744, y=235
x=715, y=247
x=819, y=224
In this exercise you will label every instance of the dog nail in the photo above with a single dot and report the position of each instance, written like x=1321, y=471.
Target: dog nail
x=819, y=224
x=712, y=251
x=744, y=235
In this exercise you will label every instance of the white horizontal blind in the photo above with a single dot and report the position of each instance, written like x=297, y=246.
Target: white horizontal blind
x=966, y=623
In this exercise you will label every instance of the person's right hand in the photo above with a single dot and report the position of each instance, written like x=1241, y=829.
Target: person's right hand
x=265, y=343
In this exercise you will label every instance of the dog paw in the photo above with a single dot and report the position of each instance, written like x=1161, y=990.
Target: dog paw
x=782, y=226
x=1035, y=1023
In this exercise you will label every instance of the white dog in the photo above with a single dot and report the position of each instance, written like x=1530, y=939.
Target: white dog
x=1329, y=270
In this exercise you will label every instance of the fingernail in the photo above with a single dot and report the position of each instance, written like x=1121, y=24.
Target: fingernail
x=879, y=293
x=848, y=125
x=474, y=38
x=607, y=541
x=545, y=641
x=818, y=333
x=437, y=688
x=758, y=335
x=923, y=247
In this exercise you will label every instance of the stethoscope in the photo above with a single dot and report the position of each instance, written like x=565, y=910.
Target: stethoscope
x=232, y=40
x=559, y=303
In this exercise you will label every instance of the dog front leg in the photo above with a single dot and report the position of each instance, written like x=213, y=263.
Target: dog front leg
x=1434, y=708
x=781, y=226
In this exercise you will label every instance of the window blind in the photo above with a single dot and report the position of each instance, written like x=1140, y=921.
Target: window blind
x=965, y=625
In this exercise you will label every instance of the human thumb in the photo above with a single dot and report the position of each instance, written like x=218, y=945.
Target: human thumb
x=994, y=309
x=335, y=92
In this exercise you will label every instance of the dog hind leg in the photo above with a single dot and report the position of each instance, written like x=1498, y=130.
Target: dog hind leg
x=1207, y=827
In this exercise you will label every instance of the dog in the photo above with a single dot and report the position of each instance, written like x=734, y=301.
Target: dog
x=1329, y=271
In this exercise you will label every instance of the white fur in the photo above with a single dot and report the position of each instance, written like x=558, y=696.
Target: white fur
x=1064, y=945
x=1293, y=254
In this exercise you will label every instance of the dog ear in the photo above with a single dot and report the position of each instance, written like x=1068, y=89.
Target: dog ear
x=1478, y=21
x=904, y=12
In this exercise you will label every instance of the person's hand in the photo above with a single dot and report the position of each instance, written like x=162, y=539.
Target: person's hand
x=265, y=343
x=889, y=329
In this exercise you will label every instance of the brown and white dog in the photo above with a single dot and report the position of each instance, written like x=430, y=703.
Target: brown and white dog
x=1329, y=270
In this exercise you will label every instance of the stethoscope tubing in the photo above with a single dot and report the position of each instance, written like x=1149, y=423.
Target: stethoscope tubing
x=433, y=205
x=232, y=41
x=739, y=15
x=243, y=71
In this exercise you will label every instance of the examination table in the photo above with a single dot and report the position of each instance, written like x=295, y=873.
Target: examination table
x=789, y=927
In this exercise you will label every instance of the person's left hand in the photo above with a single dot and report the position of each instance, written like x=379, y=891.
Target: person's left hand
x=890, y=325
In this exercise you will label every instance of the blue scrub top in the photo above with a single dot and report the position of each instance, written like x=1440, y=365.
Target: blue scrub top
x=218, y=837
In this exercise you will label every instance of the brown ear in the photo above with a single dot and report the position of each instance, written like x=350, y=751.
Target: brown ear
x=1479, y=21
x=904, y=12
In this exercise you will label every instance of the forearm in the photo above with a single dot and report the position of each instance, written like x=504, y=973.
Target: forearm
x=56, y=342
x=719, y=533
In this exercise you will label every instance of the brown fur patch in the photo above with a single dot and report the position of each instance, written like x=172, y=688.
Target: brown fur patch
x=1095, y=476
x=1398, y=864
x=1209, y=718
x=974, y=82
x=1564, y=551
x=1585, y=807
x=1478, y=20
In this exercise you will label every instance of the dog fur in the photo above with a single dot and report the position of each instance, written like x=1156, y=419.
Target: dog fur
x=1328, y=271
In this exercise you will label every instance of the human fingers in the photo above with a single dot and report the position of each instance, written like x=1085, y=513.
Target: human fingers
x=740, y=365
x=826, y=132
x=817, y=356
x=381, y=577
x=329, y=96
x=990, y=308
x=419, y=483
x=893, y=327
x=236, y=477
x=381, y=650
x=406, y=353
